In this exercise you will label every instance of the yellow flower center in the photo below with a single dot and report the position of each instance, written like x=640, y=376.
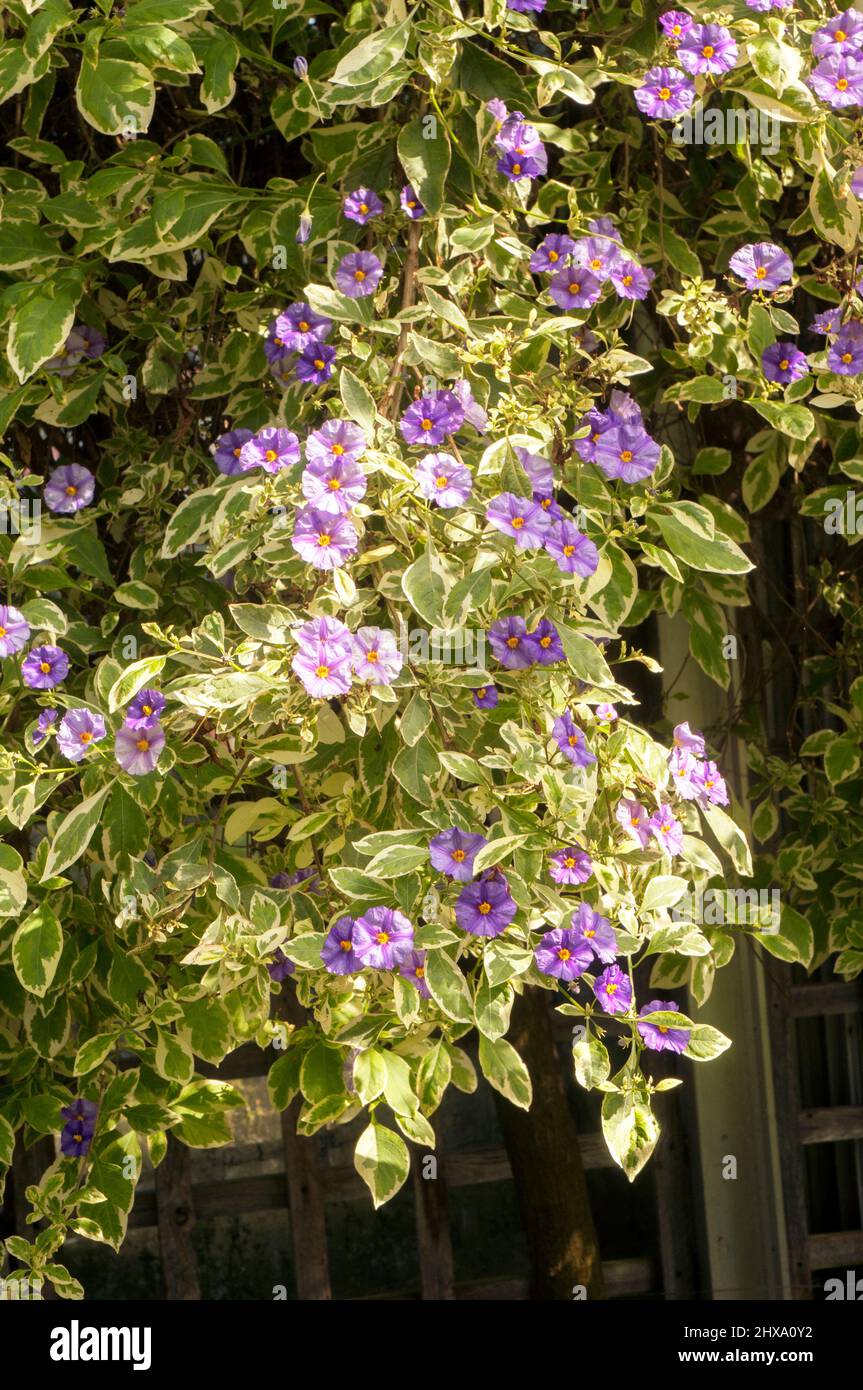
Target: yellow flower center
x=591, y=931
x=142, y=745
x=635, y=820
x=334, y=485
x=627, y=280
x=484, y=909
x=517, y=523
x=760, y=273
x=85, y=737
x=553, y=256
x=664, y=93
x=568, y=550
x=842, y=84
x=425, y=424
x=569, y=862
x=596, y=263
x=323, y=539
x=2, y=632
x=545, y=642
x=345, y=945
x=322, y=672
x=840, y=36
x=147, y=709
x=303, y=326
x=441, y=480
x=44, y=667
x=271, y=456
x=575, y=288
x=481, y=692
x=372, y=656
x=319, y=364
x=611, y=989
x=512, y=642
x=364, y=207
x=419, y=972
x=359, y=275
x=563, y=953
x=784, y=365
x=847, y=357
x=516, y=168
x=382, y=937
x=458, y=856
x=707, y=51
x=338, y=450
x=573, y=740
x=412, y=204
x=71, y=491
x=626, y=456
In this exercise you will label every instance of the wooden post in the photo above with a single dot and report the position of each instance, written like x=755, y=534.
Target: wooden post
x=433, y=1233
x=546, y=1164
x=176, y=1220
x=305, y=1188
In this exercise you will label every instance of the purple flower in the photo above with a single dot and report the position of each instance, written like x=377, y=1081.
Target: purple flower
x=78, y=730
x=410, y=203
x=517, y=166
x=324, y=669
x=376, y=657
x=359, y=274
x=571, y=741
x=487, y=907
x=337, y=952
x=692, y=741
x=383, y=938
x=711, y=785
x=665, y=93
x=604, y=226
x=473, y=411
x=413, y=968
x=299, y=327
x=274, y=349
x=598, y=254
x=270, y=449
x=572, y=551
x=631, y=281
x=857, y=182
x=301, y=66
x=14, y=631
x=827, y=323
x=362, y=205
x=635, y=821
x=666, y=830
x=520, y=139
x=839, y=81
x=707, y=49
x=485, y=696
x=764, y=5
x=596, y=932
x=684, y=768
x=227, y=450
x=330, y=631
x=323, y=540
x=598, y=422
x=83, y=342
x=546, y=644
x=606, y=713
x=310, y=877
x=841, y=35
x=511, y=644
x=845, y=354
x=762, y=266
x=430, y=419
x=526, y=6
x=304, y=228
x=44, y=667
x=524, y=521
x=658, y=1036
x=144, y=711
x=443, y=480
x=334, y=484
x=315, y=364
x=783, y=362
x=675, y=24
x=553, y=252
x=613, y=989
x=570, y=865
x=453, y=851
x=44, y=726
x=279, y=968
x=76, y=1135
x=69, y=488
x=138, y=750
x=497, y=109
x=575, y=289
x=537, y=468
x=627, y=452
x=336, y=440
x=561, y=954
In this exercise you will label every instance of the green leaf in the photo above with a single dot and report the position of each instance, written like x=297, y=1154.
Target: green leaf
x=424, y=588
x=373, y=56
x=591, y=1061
x=41, y=322
x=706, y=1043
x=425, y=159
x=795, y=939
x=74, y=834
x=135, y=677
x=188, y=522
x=396, y=860
x=114, y=95
x=717, y=556
x=22, y=245
x=357, y=401
x=505, y=1071
x=36, y=949
x=220, y=61
x=794, y=420
x=382, y=1160
x=126, y=829
x=630, y=1128
x=496, y=851
x=448, y=986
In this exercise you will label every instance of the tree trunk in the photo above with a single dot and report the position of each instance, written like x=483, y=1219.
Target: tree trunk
x=542, y=1144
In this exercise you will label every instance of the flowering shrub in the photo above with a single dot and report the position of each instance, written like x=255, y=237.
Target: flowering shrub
x=336, y=345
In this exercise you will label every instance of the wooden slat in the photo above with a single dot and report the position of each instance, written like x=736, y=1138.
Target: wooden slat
x=622, y=1278
x=305, y=1188
x=831, y=1125
x=834, y=1249
x=809, y=1001
x=175, y=1215
x=783, y=1042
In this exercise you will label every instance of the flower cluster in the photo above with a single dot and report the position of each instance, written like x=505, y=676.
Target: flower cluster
x=617, y=441
x=329, y=657
x=297, y=330
x=581, y=268
x=381, y=939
